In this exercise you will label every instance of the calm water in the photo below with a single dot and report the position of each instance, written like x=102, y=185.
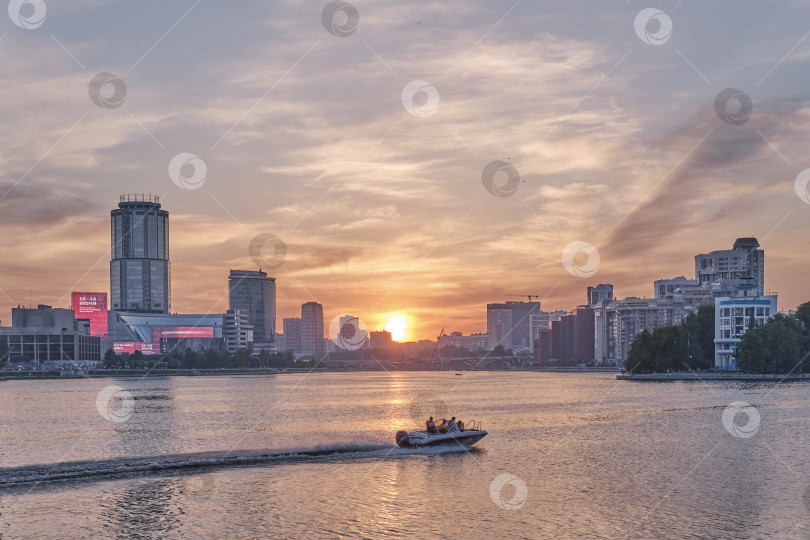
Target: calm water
x=312, y=456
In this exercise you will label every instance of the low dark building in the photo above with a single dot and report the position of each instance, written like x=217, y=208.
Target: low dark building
x=584, y=349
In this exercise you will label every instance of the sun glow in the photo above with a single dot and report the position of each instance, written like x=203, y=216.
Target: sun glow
x=397, y=324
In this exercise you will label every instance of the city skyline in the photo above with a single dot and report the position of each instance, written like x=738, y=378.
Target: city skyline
x=380, y=206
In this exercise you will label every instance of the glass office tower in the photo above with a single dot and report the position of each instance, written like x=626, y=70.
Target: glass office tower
x=139, y=265
x=255, y=292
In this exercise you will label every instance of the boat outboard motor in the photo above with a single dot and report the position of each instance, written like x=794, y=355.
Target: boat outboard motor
x=403, y=439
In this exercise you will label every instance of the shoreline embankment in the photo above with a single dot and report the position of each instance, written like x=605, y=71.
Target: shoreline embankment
x=712, y=376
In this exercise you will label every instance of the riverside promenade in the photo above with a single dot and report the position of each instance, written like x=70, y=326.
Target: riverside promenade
x=712, y=376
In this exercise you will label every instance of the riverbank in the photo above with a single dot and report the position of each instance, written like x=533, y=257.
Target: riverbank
x=102, y=373
x=712, y=376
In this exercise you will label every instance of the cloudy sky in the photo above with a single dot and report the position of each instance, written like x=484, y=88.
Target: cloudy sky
x=613, y=163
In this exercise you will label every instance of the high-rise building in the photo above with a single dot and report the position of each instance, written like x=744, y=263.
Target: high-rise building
x=664, y=287
x=584, y=345
x=237, y=330
x=292, y=334
x=521, y=324
x=312, y=330
x=380, y=339
x=542, y=345
x=601, y=293
x=351, y=334
x=745, y=261
x=732, y=318
x=254, y=292
x=510, y=325
x=139, y=265
x=616, y=324
x=499, y=325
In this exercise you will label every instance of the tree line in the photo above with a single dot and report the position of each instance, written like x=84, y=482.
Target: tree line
x=686, y=346
x=781, y=345
x=209, y=359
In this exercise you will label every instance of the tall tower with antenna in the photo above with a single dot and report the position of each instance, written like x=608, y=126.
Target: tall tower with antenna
x=139, y=266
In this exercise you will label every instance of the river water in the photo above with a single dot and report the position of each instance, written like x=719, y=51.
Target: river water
x=312, y=456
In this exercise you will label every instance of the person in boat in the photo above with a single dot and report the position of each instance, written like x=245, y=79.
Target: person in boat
x=430, y=425
x=443, y=426
x=451, y=425
x=460, y=425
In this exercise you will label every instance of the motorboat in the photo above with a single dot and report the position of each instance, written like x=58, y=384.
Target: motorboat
x=422, y=439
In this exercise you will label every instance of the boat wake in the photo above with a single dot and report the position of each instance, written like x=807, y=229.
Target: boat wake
x=41, y=476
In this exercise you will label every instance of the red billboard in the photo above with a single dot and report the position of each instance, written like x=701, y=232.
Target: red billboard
x=130, y=347
x=182, y=332
x=93, y=306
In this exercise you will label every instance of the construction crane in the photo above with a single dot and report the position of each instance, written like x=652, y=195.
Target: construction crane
x=529, y=296
x=438, y=339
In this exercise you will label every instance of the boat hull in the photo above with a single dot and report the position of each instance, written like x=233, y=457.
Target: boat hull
x=423, y=439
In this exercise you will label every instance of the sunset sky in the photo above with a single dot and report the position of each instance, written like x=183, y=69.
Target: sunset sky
x=306, y=135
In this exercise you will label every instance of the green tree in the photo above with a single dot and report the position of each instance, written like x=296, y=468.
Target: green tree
x=777, y=346
x=666, y=348
x=640, y=356
x=692, y=345
x=138, y=359
x=211, y=359
x=190, y=359
x=110, y=359
x=704, y=332
x=241, y=359
x=689, y=345
x=803, y=315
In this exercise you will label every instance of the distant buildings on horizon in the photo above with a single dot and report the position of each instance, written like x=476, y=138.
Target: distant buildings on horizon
x=733, y=281
x=137, y=316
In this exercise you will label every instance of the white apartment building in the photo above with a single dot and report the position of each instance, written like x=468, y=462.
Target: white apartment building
x=732, y=318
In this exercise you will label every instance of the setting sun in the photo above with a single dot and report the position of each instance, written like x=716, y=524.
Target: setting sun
x=397, y=324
